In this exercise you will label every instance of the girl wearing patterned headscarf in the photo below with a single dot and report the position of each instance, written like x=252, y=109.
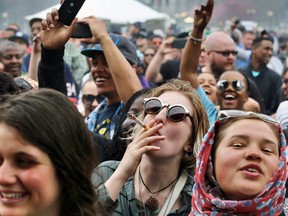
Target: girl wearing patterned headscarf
x=241, y=167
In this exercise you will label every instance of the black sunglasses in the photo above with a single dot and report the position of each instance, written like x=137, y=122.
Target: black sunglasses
x=175, y=113
x=88, y=98
x=236, y=84
x=149, y=54
x=226, y=53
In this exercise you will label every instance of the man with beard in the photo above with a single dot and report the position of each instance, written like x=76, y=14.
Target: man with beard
x=113, y=67
x=267, y=80
x=11, y=58
x=221, y=53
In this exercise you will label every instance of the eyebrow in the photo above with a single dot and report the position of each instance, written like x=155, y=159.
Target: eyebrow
x=25, y=154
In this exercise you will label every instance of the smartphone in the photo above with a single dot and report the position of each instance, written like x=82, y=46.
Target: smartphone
x=68, y=10
x=179, y=43
x=81, y=31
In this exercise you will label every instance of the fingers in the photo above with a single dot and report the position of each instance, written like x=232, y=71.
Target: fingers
x=52, y=19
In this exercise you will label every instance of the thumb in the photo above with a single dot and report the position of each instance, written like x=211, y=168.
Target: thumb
x=72, y=27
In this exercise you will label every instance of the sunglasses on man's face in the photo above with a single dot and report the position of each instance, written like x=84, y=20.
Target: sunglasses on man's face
x=226, y=53
x=175, y=113
x=89, y=98
x=237, y=85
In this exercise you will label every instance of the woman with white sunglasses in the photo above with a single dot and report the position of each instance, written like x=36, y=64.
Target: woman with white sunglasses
x=155, y=175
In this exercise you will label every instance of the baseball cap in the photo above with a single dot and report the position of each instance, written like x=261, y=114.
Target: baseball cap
x=20, y=36
x=126, y=47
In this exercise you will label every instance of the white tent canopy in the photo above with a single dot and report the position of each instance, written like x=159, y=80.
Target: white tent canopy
x=116, y=11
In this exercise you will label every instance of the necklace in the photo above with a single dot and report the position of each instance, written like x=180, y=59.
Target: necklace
x=152, y=203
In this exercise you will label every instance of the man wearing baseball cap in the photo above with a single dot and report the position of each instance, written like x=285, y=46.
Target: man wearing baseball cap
x=113, y=68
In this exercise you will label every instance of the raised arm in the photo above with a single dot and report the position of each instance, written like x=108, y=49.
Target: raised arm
x=153, y=70
x=35, y=58
x=54, y=35
x=191, y=53
x=124, y=76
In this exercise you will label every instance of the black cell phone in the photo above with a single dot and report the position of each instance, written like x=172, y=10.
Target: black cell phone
x=68, y=10
x=179, y=43
x=81, y=31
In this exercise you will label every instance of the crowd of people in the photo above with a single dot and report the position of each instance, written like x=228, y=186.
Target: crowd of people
x=127, y=124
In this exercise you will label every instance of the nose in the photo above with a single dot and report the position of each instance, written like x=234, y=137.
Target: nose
x=161, y=116
x=231, y=56
x=7, y=174
x=253, y=154
x=95, y=103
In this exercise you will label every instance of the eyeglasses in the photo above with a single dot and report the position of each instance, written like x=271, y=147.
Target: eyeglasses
x=149, y=54
x=222, y=114
x=236, y=84
x=175, y=113
x=89, y=98
x=285, y=81
x=226, y=53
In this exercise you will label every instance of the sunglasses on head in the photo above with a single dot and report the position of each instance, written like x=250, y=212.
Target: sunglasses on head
x=175, y=113
x=223, y=114
x=226, y=53
x=237, y=85
x=89, y=98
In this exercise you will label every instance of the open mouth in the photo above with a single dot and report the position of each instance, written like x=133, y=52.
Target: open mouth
x=253, y=170
x=100, y=80
x=229, y=97
x=12, y=195
x=207, y=92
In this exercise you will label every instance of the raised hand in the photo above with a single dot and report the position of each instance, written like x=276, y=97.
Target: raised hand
x=203, y=15
x=97, y=27
x=54, y=34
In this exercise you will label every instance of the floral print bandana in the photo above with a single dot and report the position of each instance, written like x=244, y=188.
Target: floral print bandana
x=207, y=199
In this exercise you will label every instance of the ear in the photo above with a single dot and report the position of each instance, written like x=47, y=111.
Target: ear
x=188, y=148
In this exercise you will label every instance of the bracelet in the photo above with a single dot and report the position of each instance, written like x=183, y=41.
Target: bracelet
x=195, y=40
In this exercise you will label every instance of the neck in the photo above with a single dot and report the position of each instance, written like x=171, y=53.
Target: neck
x=256, y=65
x=158, y=175
x=113, y=100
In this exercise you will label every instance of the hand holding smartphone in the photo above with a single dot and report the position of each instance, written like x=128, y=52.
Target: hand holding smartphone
x=81, y=31
x=179, y=43
x=68, y=10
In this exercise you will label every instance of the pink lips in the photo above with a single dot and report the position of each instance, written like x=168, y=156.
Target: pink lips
x=252, y=168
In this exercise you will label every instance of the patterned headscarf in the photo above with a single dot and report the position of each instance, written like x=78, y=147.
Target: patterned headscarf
x=207, y=198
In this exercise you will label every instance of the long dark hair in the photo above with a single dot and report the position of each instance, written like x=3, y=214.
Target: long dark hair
x=49, y=121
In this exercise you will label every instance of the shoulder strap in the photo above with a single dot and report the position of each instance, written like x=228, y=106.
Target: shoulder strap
x=174, y=194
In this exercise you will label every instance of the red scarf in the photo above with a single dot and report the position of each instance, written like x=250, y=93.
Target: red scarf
x=208, y=200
